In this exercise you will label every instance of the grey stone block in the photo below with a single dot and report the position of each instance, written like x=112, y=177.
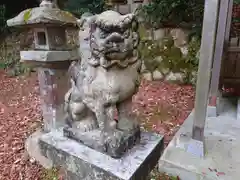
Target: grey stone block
x=92, y=139
x=222, y=146
x=238, y=109
x=33, y=149
x=88, y=164
x=211, y=111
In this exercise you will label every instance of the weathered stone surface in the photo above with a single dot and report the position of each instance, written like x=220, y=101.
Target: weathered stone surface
x=159, y=34
x=157, y=75
x=143, y=68
x=106, y=78
x=147, y=76
x=194, y=77
x=181, y=46
x=165, y=71
x=88, y=164
x=49, y=56
x=176, y=77
x=124, y=9
x=222, y=146
x=33, y=149
x=233, y=41
x=41, y=15
x=238, y=110
x=53, y=85
x=68, y=175
x=184, y=50
x=180, y=37
x=93, y=140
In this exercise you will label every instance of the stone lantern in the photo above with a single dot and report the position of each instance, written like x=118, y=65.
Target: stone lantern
x=51, y=55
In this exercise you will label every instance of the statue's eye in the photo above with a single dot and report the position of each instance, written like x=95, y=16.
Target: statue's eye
x=126, y=33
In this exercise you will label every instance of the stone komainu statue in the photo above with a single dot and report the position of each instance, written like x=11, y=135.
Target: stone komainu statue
x=103, y=83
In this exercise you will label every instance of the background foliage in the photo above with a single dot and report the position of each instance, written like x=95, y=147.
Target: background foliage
x=236, y=1
x=79, y=7
x=2, y=17
x=173, y=13
x=171, y=57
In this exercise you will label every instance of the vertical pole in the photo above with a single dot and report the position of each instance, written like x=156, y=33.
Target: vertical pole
x=229, y=21
x=204, y=70
x=222, y=39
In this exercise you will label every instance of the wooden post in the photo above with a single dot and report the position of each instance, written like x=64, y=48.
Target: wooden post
x=222, y=39
x=204, y=70
x=229, y=21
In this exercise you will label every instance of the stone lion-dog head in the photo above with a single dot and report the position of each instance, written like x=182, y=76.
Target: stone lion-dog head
x=113, y=39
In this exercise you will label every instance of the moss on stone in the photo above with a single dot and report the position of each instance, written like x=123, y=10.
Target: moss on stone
x=27, y=15
x=172, y=58
x=50, y=174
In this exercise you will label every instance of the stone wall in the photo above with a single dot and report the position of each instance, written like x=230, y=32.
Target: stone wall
x=161, y=64
x=131, y=6
x=158, y=71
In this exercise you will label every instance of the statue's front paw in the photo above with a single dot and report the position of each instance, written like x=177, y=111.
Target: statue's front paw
x=127, y=124
x=86, y=125
x=112, y=142
x=116, y=142
x=114, y=138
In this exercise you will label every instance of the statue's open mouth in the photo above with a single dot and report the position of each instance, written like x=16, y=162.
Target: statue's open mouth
x=116, y=54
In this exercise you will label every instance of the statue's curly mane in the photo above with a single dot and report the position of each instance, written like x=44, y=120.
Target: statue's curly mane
x=119, y=63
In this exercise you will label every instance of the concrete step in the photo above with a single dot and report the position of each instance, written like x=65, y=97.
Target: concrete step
x=226, y=105
x=238, y=109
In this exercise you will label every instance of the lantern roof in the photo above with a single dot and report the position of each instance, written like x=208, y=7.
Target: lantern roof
x=47, y=13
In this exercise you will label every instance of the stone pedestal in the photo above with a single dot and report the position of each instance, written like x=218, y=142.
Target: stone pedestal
x=33, y=150
x=83, y=163
x=52, y=68
x=53, y=85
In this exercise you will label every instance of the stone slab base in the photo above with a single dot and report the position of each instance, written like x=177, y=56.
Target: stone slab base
x=33, y=149
x=85, y=163
x=238, y=109
x=92, y=139
x=222, y=147
x=211, y=111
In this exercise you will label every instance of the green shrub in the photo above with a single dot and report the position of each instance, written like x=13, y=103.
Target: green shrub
x=78, y=7
x=236, y=1
x=171, y=57
x=2, y=19
x=149, y=51
x=173, y=13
